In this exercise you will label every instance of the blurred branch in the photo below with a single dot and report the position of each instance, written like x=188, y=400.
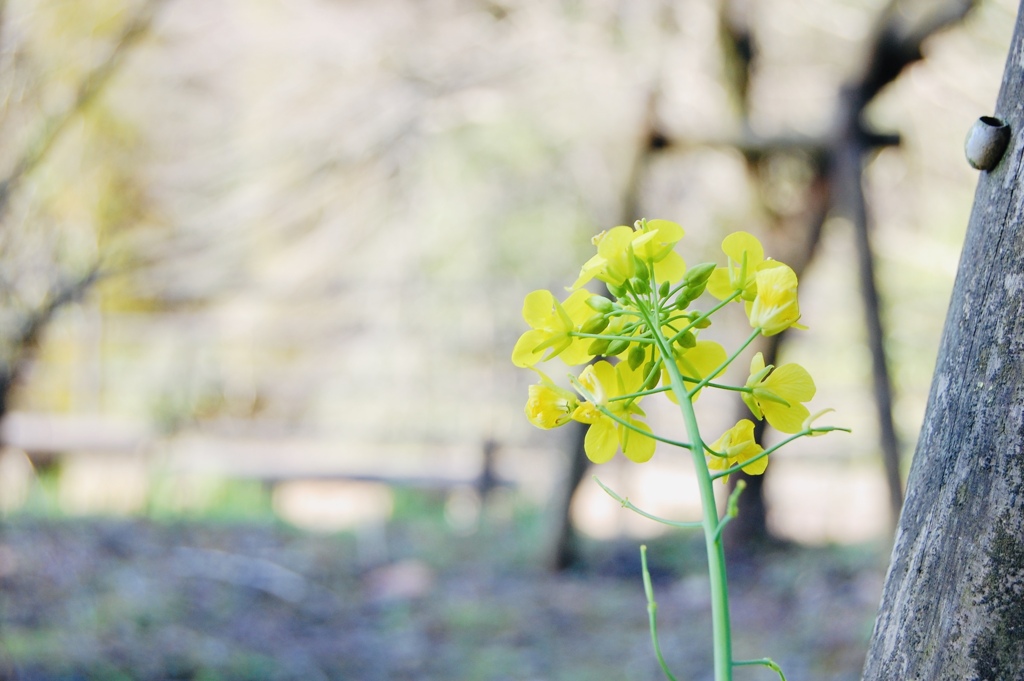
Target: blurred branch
x=739, y=51
x=89, y=87
x=27, y=336
x=896, y=43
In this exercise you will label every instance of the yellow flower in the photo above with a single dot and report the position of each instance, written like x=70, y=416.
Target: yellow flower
x=549, y=406
x=777, y=393
x=746, y=257
x=605, y=436
x=775, y=307
x=668, y=265
x=738, y=445
x=552, y=324
x=696, y=364
x=652, y=241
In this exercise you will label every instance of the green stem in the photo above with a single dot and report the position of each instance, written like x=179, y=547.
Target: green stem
x=803, y=433
x=721, y=367
x=626, y=503
x=721, y=629
x=632, y=339
x=732, y=507
x=618, y=419
x=763, y=662
x=688, y=379
x=704, y=316
x=652, y=613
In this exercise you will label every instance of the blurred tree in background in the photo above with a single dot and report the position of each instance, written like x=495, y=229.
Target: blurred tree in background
x=316, y=221
x=68, y=193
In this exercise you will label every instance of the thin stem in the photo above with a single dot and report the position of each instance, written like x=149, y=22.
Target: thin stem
x=703, y=316
x=721, y=367
x=618, y=419
x=732, y=507
x=626, y=503
x=721, y=629
x=631, y=339
x=763, y=662
x=732, y=469
x=803, y=433
x=652, y=613
x=687, y=379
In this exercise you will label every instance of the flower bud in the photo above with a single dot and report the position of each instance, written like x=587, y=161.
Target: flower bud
x=698, y=275
x=637, y=355
x=683, y=299
x=703, y=323
x=640, y=286
x=694, y=290
x=600, y=304
x=653, y=376
x=598, y=347
x=616, y=347
x=595, y=324
x=641, y=268
x=664, y=289
x=616, y=290
x=687, y=340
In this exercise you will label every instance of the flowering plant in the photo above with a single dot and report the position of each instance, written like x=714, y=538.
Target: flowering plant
x=648, y=338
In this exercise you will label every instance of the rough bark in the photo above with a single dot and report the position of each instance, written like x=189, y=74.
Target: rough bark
x=953, y=604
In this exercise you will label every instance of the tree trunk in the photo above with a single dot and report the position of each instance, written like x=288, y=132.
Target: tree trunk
x=953, y=605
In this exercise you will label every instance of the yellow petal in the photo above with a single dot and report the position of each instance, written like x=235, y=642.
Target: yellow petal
x=671, y=268
x=523, y=354
x=635, y=446
x=601, y=441
x=590, y=269
x=791, y=382
x=756, y=364
x=756, y=468
x=539, y=308
x=738, y=243
x=719, y=284
x=700, y=360
x=785, y=419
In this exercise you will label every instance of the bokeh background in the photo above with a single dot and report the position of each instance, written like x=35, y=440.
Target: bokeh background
x=264, y=260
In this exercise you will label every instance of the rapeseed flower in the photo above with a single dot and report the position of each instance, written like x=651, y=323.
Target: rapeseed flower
x=746, y=257
x=652, y=242
x=738, y=445
x=552, y=326
x=548, y=405
x=668, y=265
x=777, y=394
x=775, y=307
x=601, y=383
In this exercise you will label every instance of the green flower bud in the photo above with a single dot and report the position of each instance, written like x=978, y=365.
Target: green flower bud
x=703, y=323
x=652, y=374
x=616, y=290
x=683, y=299
x=600, y=304
x=616, y=347
x=641, y=268
x=599, y=347
x=595, y=324
x=664, y=289
x=640, y=285
x=637, y=354
x=687, y=340
x=699, y=274
x=694, y=290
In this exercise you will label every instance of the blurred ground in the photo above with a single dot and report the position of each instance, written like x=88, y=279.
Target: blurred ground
x=143, y=599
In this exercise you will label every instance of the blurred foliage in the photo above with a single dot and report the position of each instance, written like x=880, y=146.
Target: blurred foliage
x=320, y=219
